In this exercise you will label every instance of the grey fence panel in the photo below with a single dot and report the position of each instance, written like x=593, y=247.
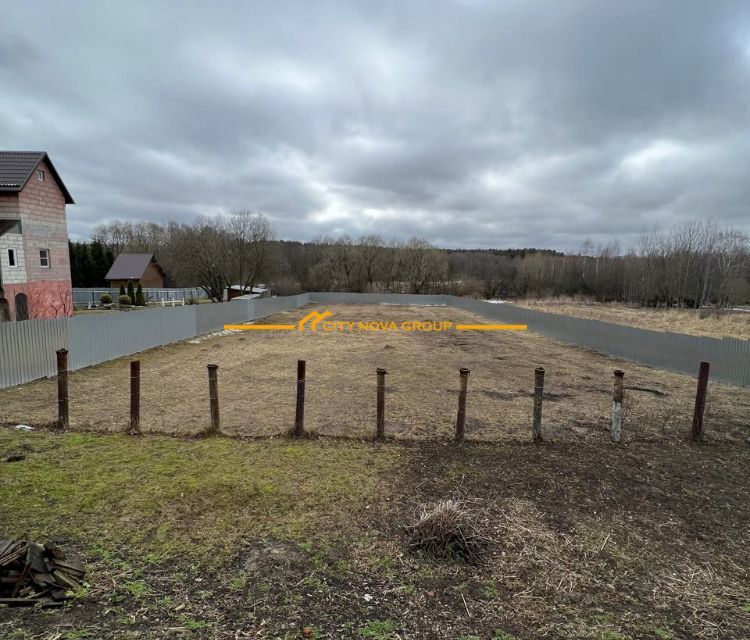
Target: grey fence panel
x=262, y=307
x=27, y=349
x=681, y=353
x=213, y=317
x=95, y=339
x=334, y=297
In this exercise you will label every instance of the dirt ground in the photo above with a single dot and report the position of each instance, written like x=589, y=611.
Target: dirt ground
x=225, y=539
x=696, y=322
x=257, y=372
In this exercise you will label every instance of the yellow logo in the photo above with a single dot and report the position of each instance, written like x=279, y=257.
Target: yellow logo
x=316, y=319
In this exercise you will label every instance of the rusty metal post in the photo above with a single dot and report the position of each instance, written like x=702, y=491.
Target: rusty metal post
x=700, y=402
x=63, y=415
x=135, y=396
x=615, y=430
x=299, y=416
x=380, y=434
x=213, y=396
x=461, y=416
x=536, y=427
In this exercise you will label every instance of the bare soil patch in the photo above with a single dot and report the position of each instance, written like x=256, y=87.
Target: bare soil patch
x=257, y=372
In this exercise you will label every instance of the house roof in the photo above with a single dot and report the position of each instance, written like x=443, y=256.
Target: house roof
x=130, y=266
x=16, y=167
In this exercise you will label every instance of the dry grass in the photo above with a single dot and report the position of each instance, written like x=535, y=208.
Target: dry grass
x=257, y=374
x=447, y=530
x=696, y=322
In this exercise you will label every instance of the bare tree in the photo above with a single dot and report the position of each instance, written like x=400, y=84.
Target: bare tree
x=248, y=239
x=371, y=250
x=422, y=265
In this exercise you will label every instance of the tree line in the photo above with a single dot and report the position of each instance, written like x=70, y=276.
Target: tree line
x=89, y=263
x=694, y=264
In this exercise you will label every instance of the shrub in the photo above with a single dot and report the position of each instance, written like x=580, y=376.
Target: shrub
x=124, y=300
x=105, y=298
x=446, y=530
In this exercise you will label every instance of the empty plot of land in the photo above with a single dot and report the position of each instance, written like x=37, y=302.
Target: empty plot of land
x=696, y=322
x=257, y=382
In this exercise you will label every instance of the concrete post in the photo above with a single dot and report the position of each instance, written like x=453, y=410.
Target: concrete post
x=536, y=427
x=616, y=427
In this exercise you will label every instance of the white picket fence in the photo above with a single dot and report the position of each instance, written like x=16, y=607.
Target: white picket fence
x=85, y=296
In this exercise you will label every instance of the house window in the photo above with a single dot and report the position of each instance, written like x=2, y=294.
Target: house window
x=12, y=257
x=40, y=175
x=44, y=258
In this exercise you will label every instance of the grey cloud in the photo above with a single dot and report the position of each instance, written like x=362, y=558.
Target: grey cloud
x=468, y=123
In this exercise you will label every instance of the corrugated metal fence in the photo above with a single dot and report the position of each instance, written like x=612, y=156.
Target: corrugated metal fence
x=27, y=349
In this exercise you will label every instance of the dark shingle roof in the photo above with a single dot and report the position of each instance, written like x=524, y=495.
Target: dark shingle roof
x=129, y=266
x=16, y=167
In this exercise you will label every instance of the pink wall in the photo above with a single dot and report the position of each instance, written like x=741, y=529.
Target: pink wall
x=46, y=298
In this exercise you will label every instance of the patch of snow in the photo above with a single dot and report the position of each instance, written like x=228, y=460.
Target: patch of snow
x=217, y=334
x=23, y=427
x=497, y=301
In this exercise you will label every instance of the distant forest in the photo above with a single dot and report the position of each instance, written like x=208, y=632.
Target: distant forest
x=695, y=264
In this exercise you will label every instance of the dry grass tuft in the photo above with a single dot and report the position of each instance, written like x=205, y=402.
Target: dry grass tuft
x=447, y=530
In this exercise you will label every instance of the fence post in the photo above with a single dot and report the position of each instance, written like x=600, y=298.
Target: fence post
x=63, y=416
x=461, y=416
x=213, y=395
x=135, y=396
x=615, y=429
x=299, y=416
x=700, y=402
x=380, y=434
x=536, y=428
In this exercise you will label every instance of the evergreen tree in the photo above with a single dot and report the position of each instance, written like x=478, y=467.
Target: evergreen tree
x=101, y=261
x=75, y=264
x=140, y=301
x=131, y=292
x=85, y=266
x=122, y=290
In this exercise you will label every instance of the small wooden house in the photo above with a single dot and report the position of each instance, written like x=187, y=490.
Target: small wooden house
x=138, y=268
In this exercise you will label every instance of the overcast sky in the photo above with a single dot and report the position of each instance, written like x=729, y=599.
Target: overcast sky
x=472, y=124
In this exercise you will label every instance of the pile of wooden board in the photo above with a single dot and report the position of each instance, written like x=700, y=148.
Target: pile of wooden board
x=32, y=574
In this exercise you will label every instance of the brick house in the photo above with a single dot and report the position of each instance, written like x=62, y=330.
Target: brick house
x=34, y=259
x=138, y=268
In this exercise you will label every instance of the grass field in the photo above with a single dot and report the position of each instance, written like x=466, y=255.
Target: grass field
x=226, y=538
x=257, y=374
x=697, y=322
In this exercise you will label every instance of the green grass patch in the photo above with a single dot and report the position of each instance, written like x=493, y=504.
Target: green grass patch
x=378, y=630
x=159, y=496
